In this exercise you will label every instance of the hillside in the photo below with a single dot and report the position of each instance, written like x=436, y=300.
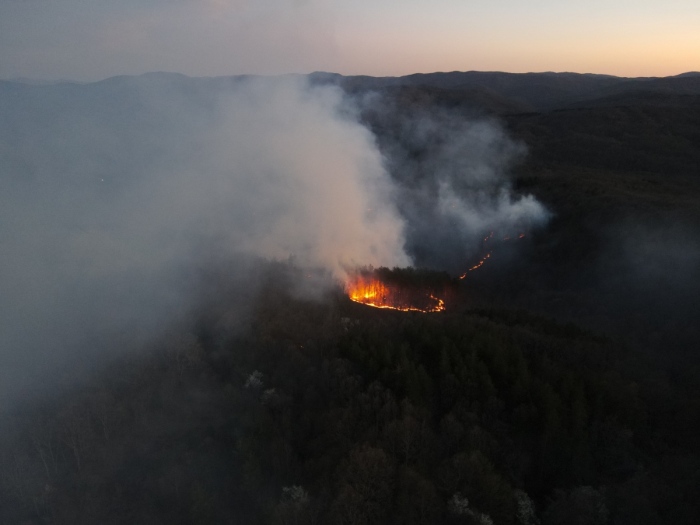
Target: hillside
x=620, y=174
x=529, y=91
x=559, y=385
x=340, y=413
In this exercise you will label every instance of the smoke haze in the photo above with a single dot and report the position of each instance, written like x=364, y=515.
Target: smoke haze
x=113, y=193
x=453, y=174
x=116, y=195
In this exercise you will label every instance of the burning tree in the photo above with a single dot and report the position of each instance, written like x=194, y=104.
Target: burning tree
x=405, y=289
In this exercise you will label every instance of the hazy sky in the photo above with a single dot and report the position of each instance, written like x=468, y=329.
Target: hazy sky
x=95, y=39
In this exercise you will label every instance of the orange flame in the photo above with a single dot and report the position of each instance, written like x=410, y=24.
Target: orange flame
x=477, y=265
x=483, y=260
x=370, y=291
x=366, y=286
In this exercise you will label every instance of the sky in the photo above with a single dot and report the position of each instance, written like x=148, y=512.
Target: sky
x=89, y=40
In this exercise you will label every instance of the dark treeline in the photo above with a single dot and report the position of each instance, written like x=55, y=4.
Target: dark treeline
x=340, y=413
x=413, y=277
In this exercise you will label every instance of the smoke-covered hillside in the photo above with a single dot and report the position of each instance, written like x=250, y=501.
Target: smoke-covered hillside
x=116, y=193
x=177, y=344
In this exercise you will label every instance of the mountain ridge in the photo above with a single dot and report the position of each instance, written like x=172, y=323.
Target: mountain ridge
x=533, y=91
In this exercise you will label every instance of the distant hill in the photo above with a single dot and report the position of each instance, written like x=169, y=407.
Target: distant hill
x=527, y=91
x=561, y=387
x=648, y=125
x=494, y=92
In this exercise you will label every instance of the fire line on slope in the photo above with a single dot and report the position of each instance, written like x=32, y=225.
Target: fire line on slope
x=488, y=255
x=407, y=289
x=382, y=288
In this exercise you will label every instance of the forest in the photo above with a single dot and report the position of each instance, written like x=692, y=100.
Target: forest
x=559, y=386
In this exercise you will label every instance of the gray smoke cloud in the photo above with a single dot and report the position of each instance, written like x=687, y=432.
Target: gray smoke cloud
x=285, y=171
x=114, y=193
x=453, y=171
x=472, y=167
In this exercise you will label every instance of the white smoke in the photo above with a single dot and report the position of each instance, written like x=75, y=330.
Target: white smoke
x=482, y=212
x=113, y=193
x=473, y=168
x=453, y=172
x=283, y=171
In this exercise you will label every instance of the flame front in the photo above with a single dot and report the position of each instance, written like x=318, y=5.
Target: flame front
x=478, y=265
x=371, y=291
x=486, y=257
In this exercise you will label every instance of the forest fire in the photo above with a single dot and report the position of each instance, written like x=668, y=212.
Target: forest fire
x=406, y=289
x=410, y=289
x=486, y=257
x=478, y=265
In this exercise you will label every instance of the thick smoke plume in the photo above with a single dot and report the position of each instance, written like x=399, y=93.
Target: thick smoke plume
x=284, y=171
x=452, y=171
x=114, y=193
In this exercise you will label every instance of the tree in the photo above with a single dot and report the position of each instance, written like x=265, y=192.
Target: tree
x=365, y=488
x=580, y=506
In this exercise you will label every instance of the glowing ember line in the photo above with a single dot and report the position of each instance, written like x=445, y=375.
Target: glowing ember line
x=370, y=291
x=488, y=255
x=440, y=307
x=477, y=265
